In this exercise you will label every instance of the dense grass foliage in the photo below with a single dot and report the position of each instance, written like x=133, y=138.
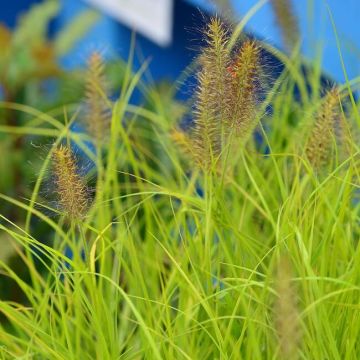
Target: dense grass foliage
x=239, y=247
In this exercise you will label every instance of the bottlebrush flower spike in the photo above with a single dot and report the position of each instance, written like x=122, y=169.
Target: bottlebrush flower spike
x=287, y=322
x=211, y=105
x=287, y=21
x=321, y=139
x=97, y=116
x=244, y=89
x=71, y=190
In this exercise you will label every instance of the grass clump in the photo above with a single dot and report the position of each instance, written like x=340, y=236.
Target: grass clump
x=179, y=259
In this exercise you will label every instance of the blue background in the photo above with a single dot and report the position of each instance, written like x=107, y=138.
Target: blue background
x=318, y=35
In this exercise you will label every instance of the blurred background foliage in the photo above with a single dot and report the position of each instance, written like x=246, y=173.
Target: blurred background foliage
x=33, y=82
x=30, y=75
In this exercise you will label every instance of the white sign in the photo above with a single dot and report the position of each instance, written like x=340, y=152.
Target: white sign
x=152, y=18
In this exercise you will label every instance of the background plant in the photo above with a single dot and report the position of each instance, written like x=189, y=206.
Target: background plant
x=32, y=81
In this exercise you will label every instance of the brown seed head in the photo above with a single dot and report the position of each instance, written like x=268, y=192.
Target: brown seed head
x=71, y=190
x=211, y=95
x=287, y=322
x=321, y=139
x=244, y=89
x=97, y=116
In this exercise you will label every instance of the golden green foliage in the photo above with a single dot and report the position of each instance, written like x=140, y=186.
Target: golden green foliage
x=183, y=141
x=19, y=64
x=71, y=189
x=32, y=27
x=287, y=322
x=28, y=56
x=322, y=136
x=97, y=115
x=75, y=29
x=26, y=52
x=44, y=57
x=287, y=21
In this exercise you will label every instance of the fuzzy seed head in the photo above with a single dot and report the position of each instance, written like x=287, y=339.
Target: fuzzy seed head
x=320, y=142
x=287, y=322
x=244, y=89
x=211, y=95
x=71, y=190
x=98, y=113
x=227, y=95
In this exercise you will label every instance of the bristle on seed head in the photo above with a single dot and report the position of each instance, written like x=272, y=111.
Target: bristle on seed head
x=71, y=189
x=211, y=96
x=97, y=115
x=244, y=89
x=287, y=321
x=321, y=139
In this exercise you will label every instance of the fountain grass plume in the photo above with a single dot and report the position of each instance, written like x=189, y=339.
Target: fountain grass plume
x=226, y=96
x=287, y=322
x=321, y=139
x=244, y=89
x=71, y=190
x=97, y=115
x=211, y=96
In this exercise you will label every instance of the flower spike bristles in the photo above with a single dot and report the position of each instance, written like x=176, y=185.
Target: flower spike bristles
x=97, y=114
x=287, y=321
x=244, y=89
x=226, y=97
x=71, y=189
x=287, y=21
x=211, y=95
x=321, y=139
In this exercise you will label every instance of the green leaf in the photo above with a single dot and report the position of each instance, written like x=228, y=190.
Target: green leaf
x=78, y=27
x=32, y=27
